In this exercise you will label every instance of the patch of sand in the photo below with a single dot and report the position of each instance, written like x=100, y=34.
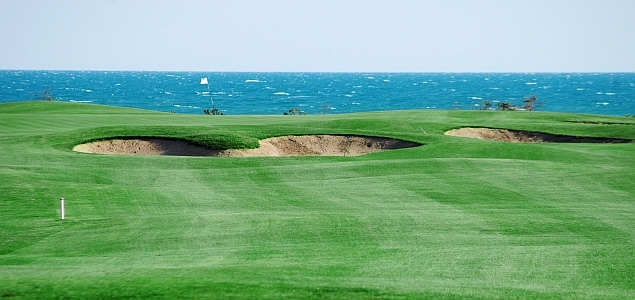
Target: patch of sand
x=328, y=145
x=516, y=136
x=145, y=146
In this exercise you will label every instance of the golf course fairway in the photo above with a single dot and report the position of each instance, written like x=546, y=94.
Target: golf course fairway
x=453, y=218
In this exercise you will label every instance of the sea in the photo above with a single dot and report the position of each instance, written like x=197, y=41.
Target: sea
x=242, y=93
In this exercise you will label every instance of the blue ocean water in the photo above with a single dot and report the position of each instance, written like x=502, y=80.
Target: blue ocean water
x=317, y=93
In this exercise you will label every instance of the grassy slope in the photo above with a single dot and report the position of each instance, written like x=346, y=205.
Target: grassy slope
x=456, y=218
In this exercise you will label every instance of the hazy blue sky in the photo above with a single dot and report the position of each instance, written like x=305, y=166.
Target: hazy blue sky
x=319, y=35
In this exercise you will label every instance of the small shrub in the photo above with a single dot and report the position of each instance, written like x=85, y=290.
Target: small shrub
x=530, y=103
x=295, y=111
x=213, y=112
x=47, y=94
x=506, y=106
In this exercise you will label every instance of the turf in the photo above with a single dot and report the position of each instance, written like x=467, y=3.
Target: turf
x=456, y=218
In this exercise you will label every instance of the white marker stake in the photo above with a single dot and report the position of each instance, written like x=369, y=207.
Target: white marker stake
x=62, y=203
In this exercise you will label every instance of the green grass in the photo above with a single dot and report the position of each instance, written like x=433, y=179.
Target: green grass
x=455, y=218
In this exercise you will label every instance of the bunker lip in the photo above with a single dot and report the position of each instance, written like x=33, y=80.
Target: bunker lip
x=299, y=145
x=523, y=136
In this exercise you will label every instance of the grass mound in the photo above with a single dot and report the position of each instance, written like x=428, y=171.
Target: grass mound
x=197, y=136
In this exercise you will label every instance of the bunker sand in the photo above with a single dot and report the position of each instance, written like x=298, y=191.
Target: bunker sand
x=521, y=136
x=305, y=145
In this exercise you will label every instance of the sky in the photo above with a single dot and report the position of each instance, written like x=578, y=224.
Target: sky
x=319, y=35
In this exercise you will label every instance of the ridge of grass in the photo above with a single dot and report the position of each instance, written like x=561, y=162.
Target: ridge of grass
x=202, y=136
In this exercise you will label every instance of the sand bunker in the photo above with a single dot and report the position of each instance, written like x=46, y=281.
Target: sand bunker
x=145, y=146
x=516, y=136
x=328, y=145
